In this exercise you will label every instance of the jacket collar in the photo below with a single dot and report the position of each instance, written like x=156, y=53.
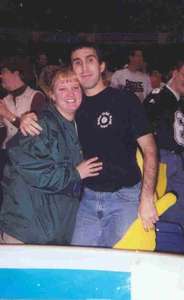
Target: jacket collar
x=18, y=91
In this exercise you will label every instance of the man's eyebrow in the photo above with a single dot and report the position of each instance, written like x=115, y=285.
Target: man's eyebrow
x=74, y=59
x=91, y=55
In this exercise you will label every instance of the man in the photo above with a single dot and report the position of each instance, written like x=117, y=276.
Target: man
x=20, y=99
x=132, y=77
x=157, y=85
x=167, y=115
x=41, y=61
x=110, y=124
x=156, y=80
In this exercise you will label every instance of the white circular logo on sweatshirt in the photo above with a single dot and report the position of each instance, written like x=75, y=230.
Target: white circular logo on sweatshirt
x=104, y=120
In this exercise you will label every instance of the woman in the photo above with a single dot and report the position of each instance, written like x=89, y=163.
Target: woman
x=41, y=185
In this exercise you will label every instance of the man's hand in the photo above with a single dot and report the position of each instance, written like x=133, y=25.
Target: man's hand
x=89, y=168
x=148, y=213
x=29, y=125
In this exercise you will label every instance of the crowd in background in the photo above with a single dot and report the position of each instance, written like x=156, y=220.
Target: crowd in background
x=30, y=83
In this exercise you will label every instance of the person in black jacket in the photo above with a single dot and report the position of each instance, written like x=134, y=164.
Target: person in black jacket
x=166, y=111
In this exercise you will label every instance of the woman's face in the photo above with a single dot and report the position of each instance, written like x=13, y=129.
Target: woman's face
x=67, y=96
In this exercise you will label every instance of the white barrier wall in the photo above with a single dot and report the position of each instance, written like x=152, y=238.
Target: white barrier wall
x=72, y=273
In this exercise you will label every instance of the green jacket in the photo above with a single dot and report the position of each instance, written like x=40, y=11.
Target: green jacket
x=41, y=186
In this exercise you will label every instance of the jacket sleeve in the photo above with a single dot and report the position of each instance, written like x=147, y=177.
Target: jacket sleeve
x=39, y=161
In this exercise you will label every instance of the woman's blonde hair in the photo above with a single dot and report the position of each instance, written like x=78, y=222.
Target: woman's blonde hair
x=62, y=73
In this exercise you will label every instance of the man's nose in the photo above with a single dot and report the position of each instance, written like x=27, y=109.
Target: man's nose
x=84, y=67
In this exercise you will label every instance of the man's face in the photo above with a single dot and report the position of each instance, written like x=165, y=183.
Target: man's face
x=8, y=79
x=88, y=69
x=42, y=60
x=155, y=80
x=178, y=81
x=137, y=59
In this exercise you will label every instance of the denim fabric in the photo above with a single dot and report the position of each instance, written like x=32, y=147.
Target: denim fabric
x=175, y=184
x=104, y=217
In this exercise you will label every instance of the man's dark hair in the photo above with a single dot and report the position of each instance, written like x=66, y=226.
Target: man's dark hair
x=12, y=63
x=18, y=63
x=133, y=50
x=87, y=44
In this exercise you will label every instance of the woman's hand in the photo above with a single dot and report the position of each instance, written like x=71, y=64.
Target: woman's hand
x=89, y=168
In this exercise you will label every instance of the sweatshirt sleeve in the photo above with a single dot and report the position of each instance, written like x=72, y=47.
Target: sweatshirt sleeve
x=115, y=80
x=148, y=88
x=39, y=161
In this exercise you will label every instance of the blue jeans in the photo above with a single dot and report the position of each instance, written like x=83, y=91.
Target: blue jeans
x=175, y=184
x=104, y=217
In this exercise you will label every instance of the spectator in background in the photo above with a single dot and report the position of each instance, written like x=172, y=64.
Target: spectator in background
x=156, y=80
x=41, y=61
x=151, y=99
x=167, y=115
x=46, y=76
x=132, y=77
x=20, y=99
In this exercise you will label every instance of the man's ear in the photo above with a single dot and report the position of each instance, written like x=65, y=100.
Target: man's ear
x=130, y=57
x=102, y=67
x=19, y=74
